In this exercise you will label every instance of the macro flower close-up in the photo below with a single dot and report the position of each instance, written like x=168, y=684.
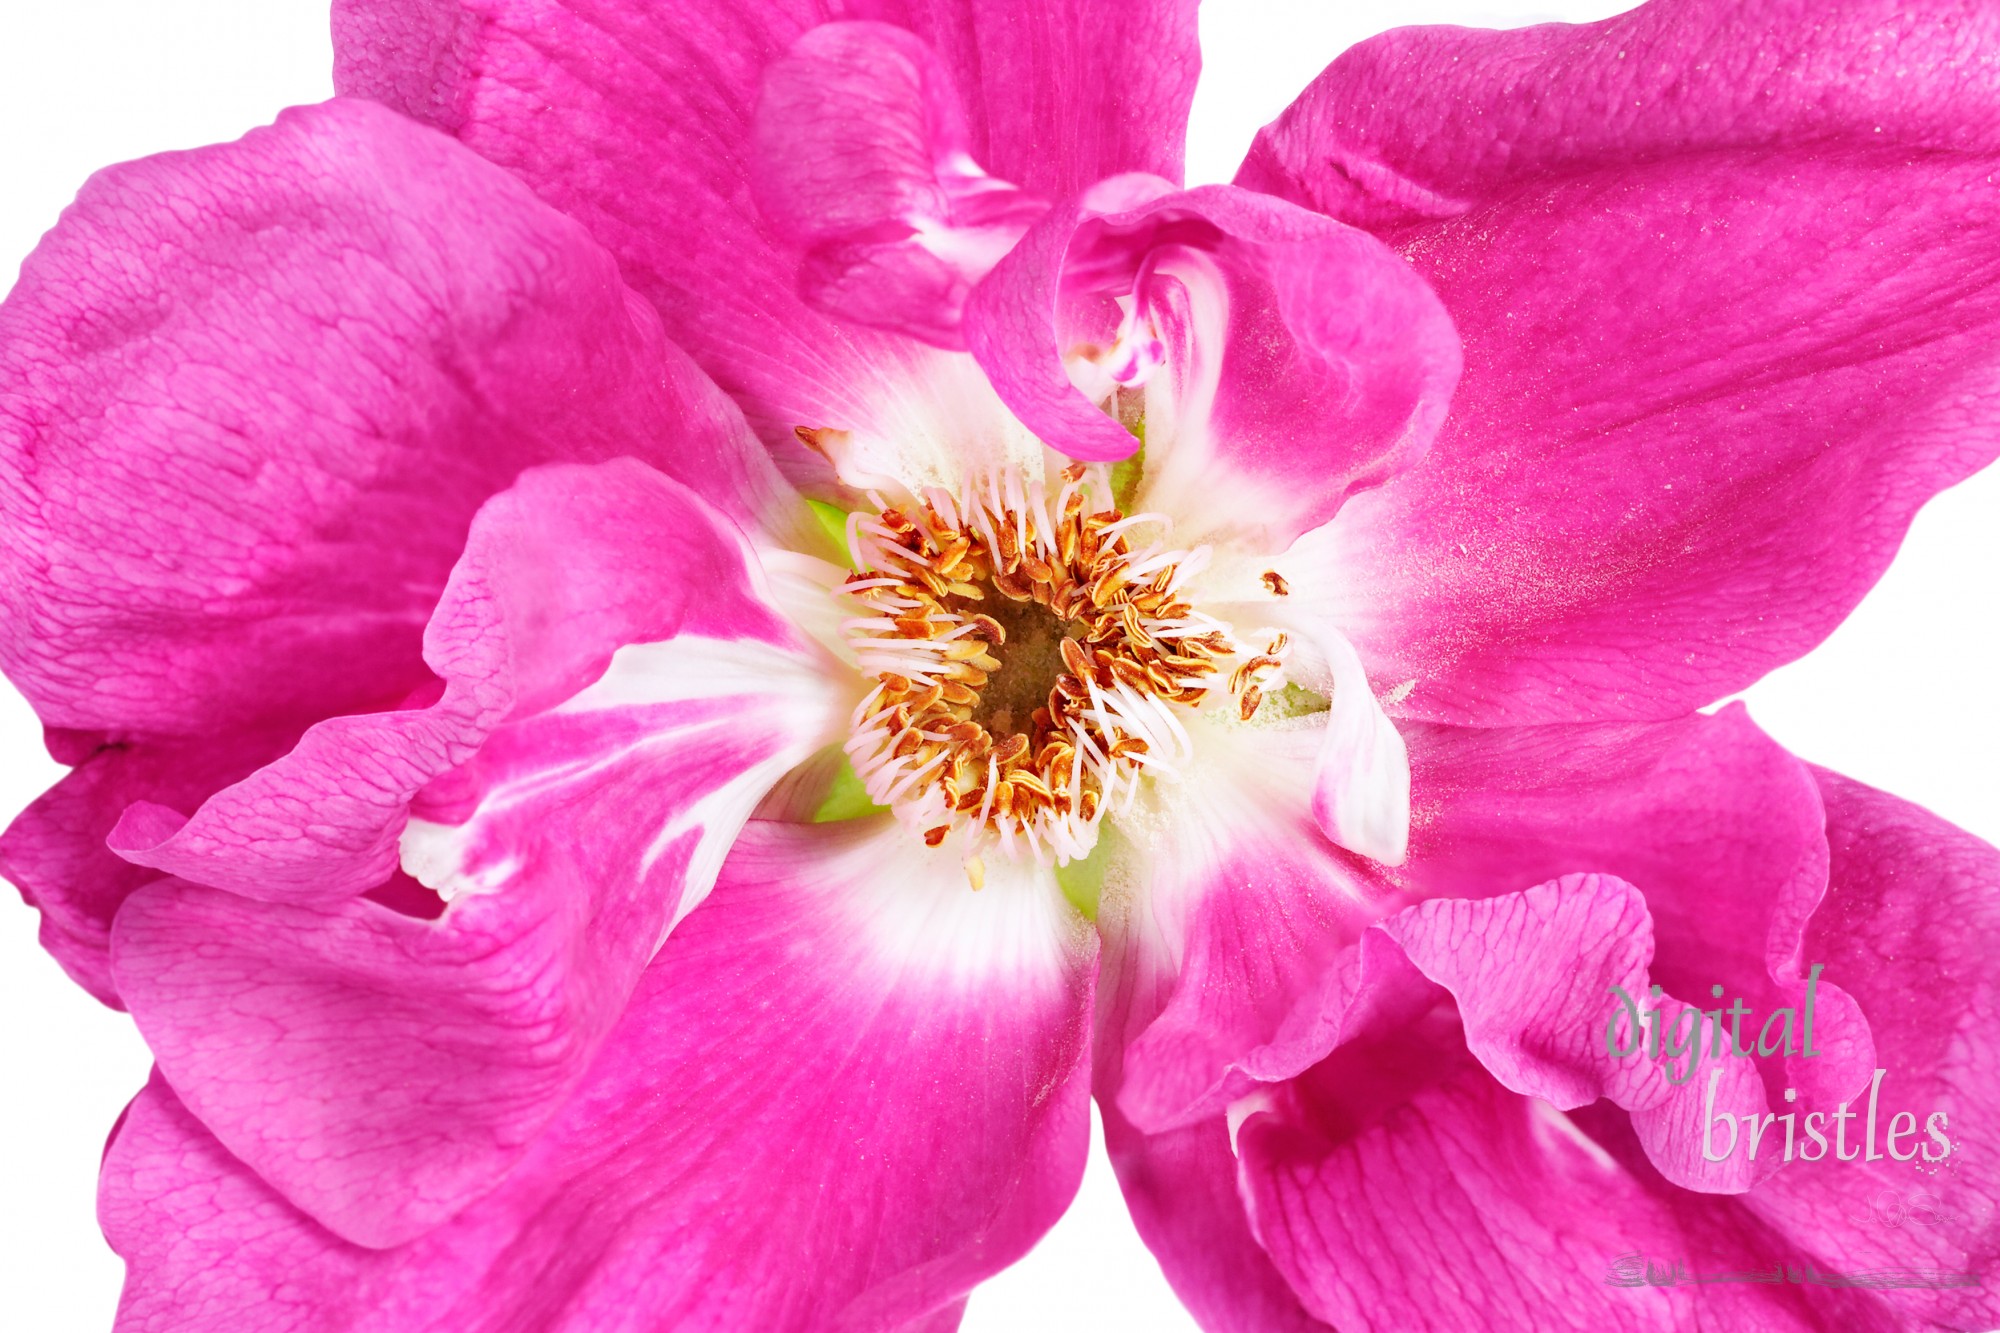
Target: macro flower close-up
x=685, y=635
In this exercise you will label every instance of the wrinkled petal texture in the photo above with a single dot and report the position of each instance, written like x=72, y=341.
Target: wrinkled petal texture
x=638, y=121
x=382, y=1069
x=56, y=852
x=1285, y=360
x=1728, y=300
x=1378, y=1092
x=1910, y=905
x=253, y=394
x=841, y=1096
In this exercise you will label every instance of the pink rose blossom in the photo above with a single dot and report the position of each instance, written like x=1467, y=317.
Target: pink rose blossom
x=489, y=543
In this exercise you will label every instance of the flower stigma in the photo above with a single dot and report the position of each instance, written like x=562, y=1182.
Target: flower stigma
x=1028, y=656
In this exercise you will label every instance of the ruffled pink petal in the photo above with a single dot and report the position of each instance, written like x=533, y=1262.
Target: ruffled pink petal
x=55, y=850
x=846, y=1090
x=1718, y=827
x=1725, y=273
x=383, y=1070
x=1226, y=913
x=558, y=574
x=638, y=121
x=864, y=161
x=1532, y=977
x=253, y=394
x=1906, y=927
x=1283, y=361
x=1401, y=1189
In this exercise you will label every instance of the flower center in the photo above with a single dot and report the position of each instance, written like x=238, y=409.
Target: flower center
x=1029, y=657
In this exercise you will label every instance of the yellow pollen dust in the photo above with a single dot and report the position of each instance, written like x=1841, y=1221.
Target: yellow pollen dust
x=1022, y=648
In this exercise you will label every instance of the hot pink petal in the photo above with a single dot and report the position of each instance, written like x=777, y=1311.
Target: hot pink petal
x=1906, y=926
x=382, y=1070
x=1286, y=359
x=1401, y=1188
x=1229, y=912
x=864, y=161
x=638, y=121
x=1717, y=826
x=1532, y=977
x=557, y=575
x=1181, y=1188
x=1726, y=277
x=55, y=851
x=847, y=1089
x=254, y=393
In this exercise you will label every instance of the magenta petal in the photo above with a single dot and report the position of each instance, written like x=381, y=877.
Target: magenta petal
x=383, y=1070
x=1911, y=908
x=863, y=160
x=1401, y=1190
x=846, y=1090
x=1181, y=1188
x=253, y=394
x=1717, y=826
x=637, y=120
x=55, y=851
x=1285, y=360
x=1498, y=956
x=557, y=575
x=1726, y=274
x=1235, y=907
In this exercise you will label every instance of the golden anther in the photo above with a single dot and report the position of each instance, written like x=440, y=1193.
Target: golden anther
x=1075, y=659
x=1251, y=698
x=1275, y=582
x=1029, y=784
x=950, y=556
x=1012, y=588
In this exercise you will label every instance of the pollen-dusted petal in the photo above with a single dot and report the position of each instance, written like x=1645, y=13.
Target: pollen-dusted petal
x=382, y=1070
x=844, y=1092
x=251, y=396
x=1729, y=284
x=637, y=119
x=1717, y=826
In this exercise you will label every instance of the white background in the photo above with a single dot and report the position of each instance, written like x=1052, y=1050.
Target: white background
x=1906, y=695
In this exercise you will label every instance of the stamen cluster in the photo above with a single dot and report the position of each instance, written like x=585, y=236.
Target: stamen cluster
x=942, y=578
